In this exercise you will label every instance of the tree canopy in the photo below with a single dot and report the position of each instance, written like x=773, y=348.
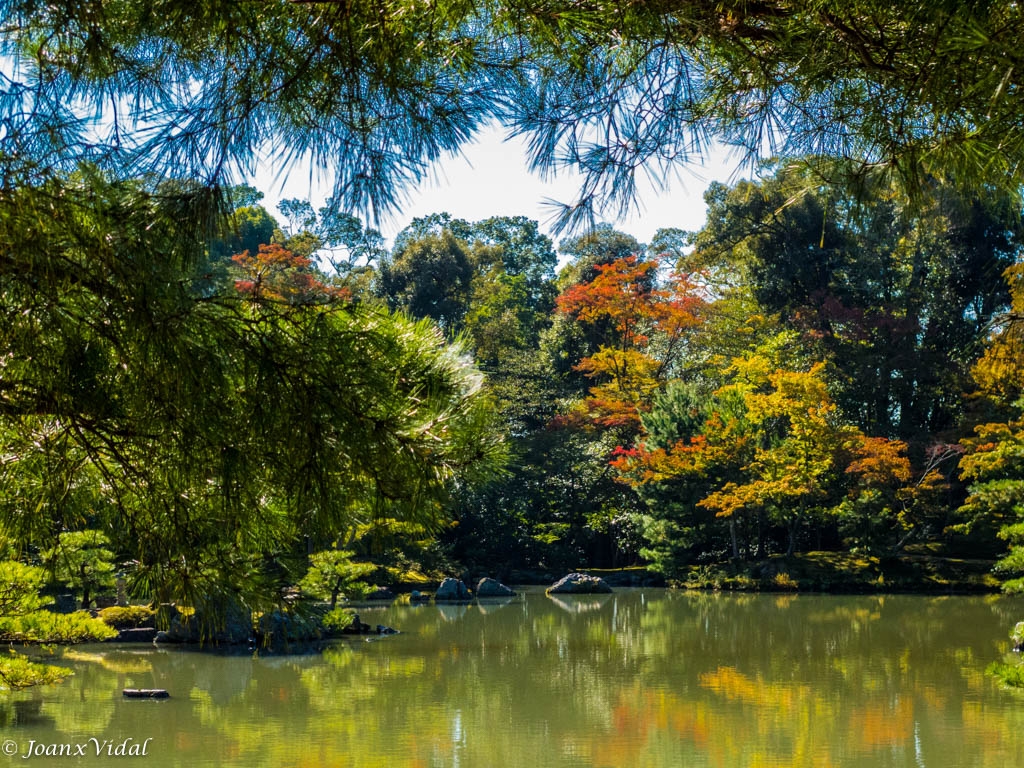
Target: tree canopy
x=916, y=90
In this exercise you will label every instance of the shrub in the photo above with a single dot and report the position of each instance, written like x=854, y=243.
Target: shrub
x=126, y=616
x=1011, y=675
x=46, y=627
x=339, y=619
x=784, y=581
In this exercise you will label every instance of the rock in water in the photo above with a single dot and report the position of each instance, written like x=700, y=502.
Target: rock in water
x=492, y=588
x=452, y=589
x=145, y=693
x=579, y=584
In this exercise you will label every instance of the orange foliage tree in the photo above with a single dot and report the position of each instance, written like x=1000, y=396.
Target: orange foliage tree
x=770, y=446
x=276, y=274
x=644, y=323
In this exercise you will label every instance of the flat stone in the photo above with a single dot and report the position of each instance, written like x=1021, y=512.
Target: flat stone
x=145, y=693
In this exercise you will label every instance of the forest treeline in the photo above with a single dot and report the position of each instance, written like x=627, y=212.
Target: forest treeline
x=815, y=369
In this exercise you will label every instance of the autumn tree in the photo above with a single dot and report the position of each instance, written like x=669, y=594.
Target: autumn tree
x=276, y=274
x=898, y=296
x=767, y=454
x=993, y=463
x=645, y=325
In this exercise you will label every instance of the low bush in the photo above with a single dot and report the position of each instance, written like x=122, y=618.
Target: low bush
x=46, y=627
x=127, y=616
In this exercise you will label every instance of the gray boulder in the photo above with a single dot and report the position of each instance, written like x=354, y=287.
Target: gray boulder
x=492, y=588
x=579, y=584
x=452, y=589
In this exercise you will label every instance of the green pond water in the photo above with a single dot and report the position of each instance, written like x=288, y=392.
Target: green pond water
x=638, y=678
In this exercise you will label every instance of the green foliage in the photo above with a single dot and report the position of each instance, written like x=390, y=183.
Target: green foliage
x=994, y=466
x=23, y=620
x=338, y=619
x=523, y=252
x=47, y=627
x=81, y=560
x=1010, y=675
x=430, y=277
x=19, y=589
x=333, y=575
x=209, y=433
x=897, y=297
x=339, y=237
x=126, y=616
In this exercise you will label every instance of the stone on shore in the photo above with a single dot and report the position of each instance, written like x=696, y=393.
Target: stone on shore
x=579, y=584
x=136, y=635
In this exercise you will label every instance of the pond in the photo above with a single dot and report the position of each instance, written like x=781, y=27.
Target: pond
x=637, y=678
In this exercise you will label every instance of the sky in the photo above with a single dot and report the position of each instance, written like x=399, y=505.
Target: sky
x=490, y=179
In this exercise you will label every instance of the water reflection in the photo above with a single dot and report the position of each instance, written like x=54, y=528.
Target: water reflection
x=646, y=677
x=579, y=603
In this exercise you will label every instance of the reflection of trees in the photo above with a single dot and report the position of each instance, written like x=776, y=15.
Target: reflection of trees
x=647, y=678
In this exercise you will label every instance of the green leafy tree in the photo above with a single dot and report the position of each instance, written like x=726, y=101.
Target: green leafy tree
x=993, y=461
x=332, y=574
x=523, y=253
x=337, y=237
x=82, y=561
x=208, y=433
x=246, y=229
x=430, y=277
x=19, y=597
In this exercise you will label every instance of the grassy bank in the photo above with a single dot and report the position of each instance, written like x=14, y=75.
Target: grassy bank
x=922, y=571
x=846, y=573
